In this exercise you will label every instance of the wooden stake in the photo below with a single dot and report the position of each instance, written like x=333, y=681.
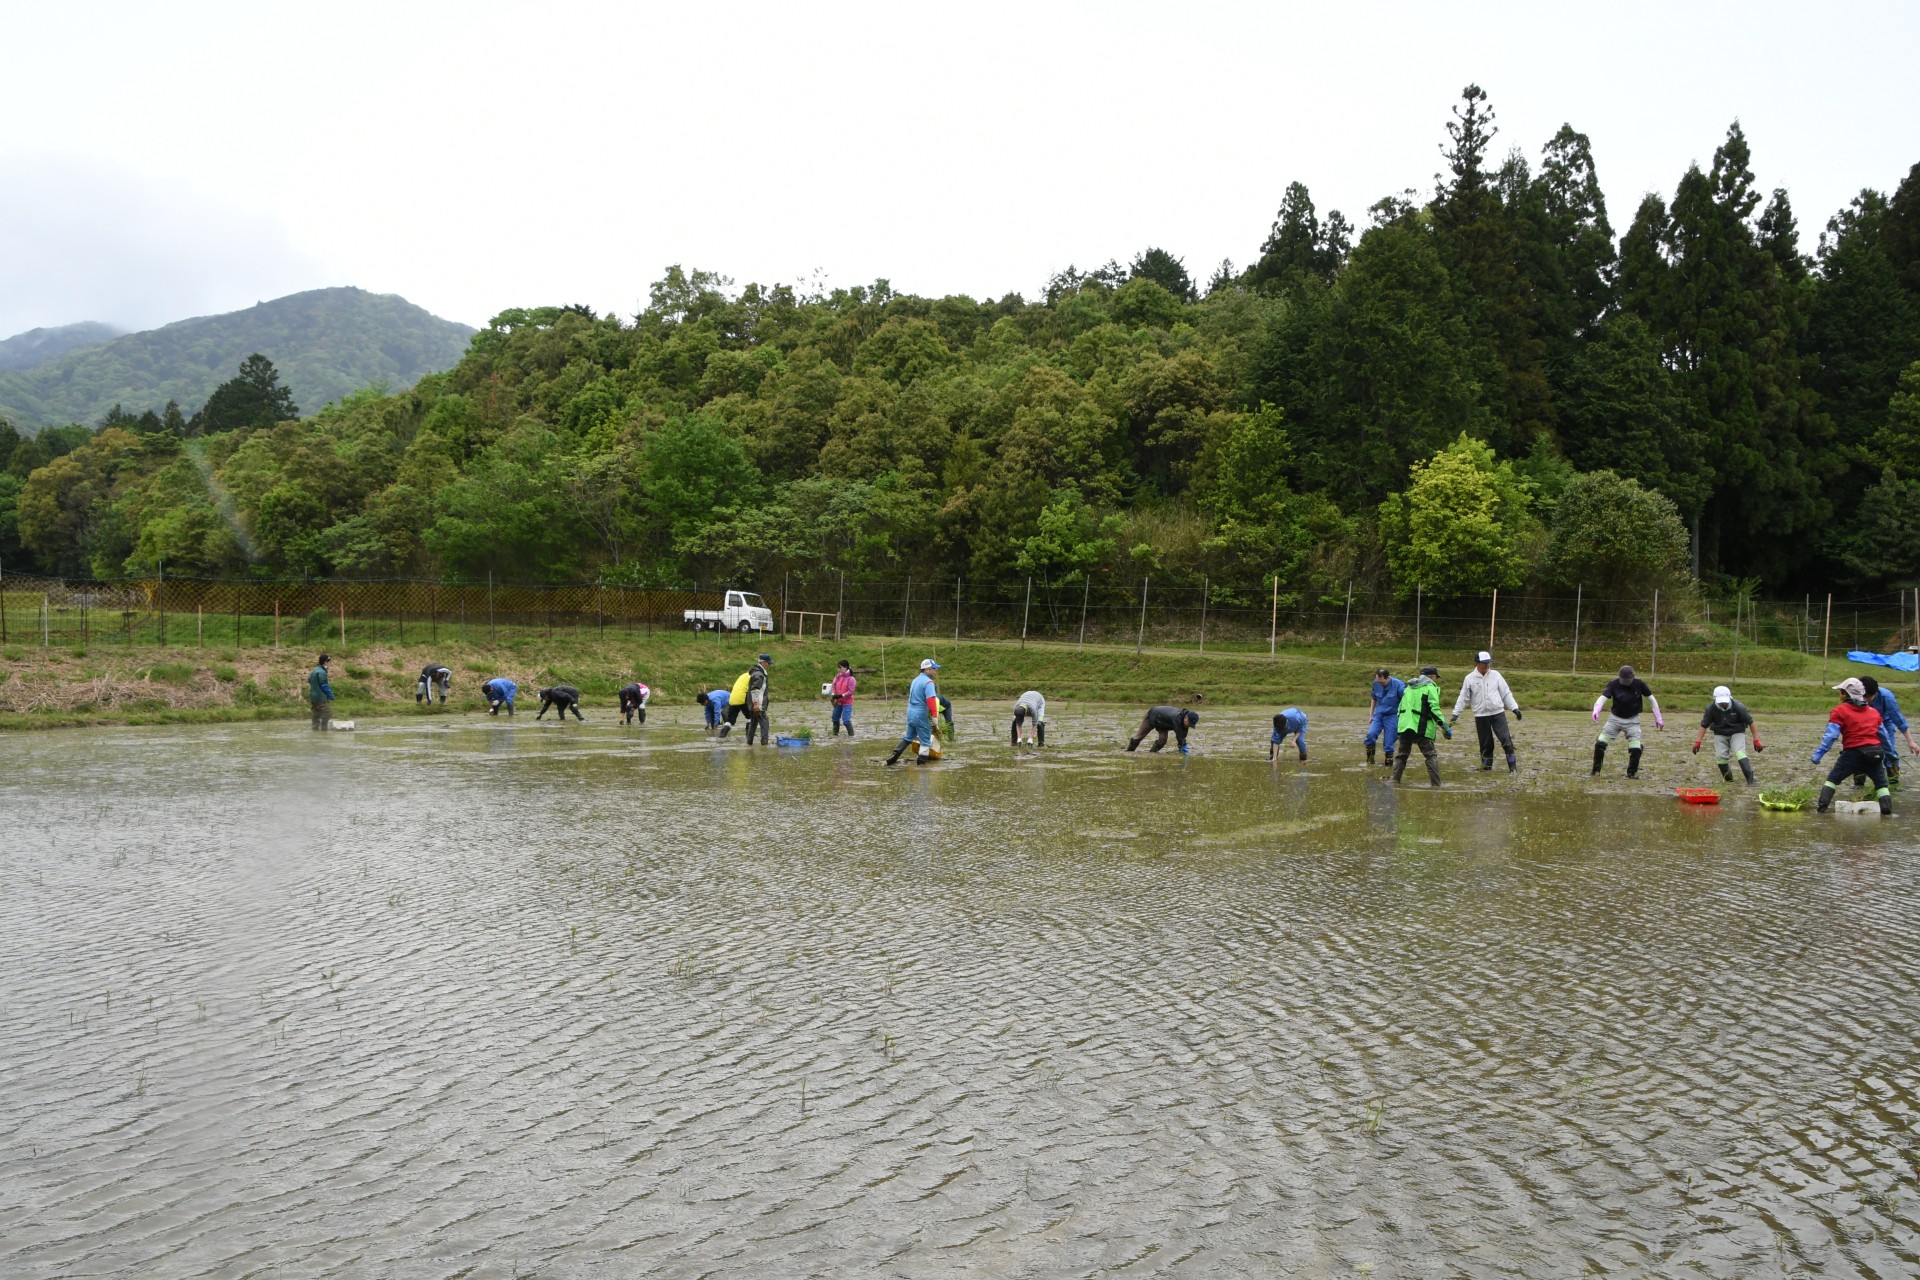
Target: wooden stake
x=1142, y=638
x=1826, y=639
x=1578, y=591
x=1027, y=609
x=1346, y=623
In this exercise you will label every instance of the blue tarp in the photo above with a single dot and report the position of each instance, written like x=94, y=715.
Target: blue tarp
x=1898, y=661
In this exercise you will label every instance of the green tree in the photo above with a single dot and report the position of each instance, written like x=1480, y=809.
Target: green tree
x=1165, y=270
x=251, y=398
x=1462, y=527
x=1615, y=537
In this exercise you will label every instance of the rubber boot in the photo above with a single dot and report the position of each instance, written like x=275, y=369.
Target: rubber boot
x=1599, y=755
x=1826, y=797
x=895, y=757
x=1399, y=765
x=1746, y=771
x=1513, y=763
x=1433, y=771
x=1886, y=803
x=1133, y=744
x=725, y=729
x=1486, y=764
x=1633, y=761
x=924, y=757
x=1369, y=753
x=1726, y=771
x=1040, y=735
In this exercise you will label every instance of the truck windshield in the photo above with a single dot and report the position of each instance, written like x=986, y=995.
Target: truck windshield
x=752, y=601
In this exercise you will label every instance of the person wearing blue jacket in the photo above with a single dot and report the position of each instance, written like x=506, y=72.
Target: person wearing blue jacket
x=1294, y=721
x=714, y=703
x=1386, y=691
x=1891, y=720
x=499, y=693
x=320, y=694
x=923, y=704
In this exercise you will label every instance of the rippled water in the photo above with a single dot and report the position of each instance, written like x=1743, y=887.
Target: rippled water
x=474, y=998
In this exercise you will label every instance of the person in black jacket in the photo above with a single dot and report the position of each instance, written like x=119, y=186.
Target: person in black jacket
x=1164, y=720
x=1731, y=725
x=563, y=696
x=633, y=702
x=434, y=678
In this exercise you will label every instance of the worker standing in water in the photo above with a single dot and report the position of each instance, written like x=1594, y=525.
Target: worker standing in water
x=1030, y=706
x=1731, y=725
x=1629, y=693
x=1420, y=719
x=736, y=700
x=923, y=704
x=434, y=678
x=320, y=694
x=1164, y=720
x=633, y=702
x=499, y=692
x=1485, y=691
x=1386, y=691
x=1291, y=721
x=1857, y=728
x=563, y=696
x=841, y=693
x=757, y=700
x=1891, y=721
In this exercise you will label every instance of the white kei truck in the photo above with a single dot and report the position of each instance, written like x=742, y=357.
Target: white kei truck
x=742, y=611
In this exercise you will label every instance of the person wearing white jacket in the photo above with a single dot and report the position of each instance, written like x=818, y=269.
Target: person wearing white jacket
x=1485, y=693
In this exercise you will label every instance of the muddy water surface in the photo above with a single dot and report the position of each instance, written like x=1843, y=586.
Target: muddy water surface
x=466, y=997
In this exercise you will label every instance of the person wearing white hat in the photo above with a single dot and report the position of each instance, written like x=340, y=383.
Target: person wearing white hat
x=1485, y=691
x=1857, y=728
x=1731, y=724
x=1629, y=693
x=923, y=704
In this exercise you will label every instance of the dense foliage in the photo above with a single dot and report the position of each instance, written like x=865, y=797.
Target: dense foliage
x=326, y=343
x=38, y=346
x=1484, y=389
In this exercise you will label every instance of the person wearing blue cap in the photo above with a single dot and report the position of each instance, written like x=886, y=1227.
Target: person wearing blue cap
x=757, y=700
x=1164, y=720
x=923, y=704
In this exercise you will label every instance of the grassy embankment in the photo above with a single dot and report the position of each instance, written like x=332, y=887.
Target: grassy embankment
x=114, y=683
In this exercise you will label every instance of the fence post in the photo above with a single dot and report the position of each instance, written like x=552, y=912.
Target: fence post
x=160, y=593
x=46, y=621
x=200, y=626
x=786, y=607
x=1417, y=589
x=1738, y=601
x=1086, y=591
x=1025, y=610
x=841, y=612
x=1206, y=587
x=956, y=611
x=1826, y=639
x=1345, y=622
x=1493, y=617
x=343, y=622
x=1273, y=619
x=1578, y=591
x=1655, y=665
x=276, y=622
x=3, y=604
x=490, y=631
x=236, y=617
x=1145, y=583
x=906, y=607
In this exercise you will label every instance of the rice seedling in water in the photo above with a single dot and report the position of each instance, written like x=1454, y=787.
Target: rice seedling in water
x=1376, y=1112
x=1786, y=798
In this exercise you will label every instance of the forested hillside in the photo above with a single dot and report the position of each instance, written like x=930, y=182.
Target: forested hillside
x=38, y=346
x=1488, y=386
x=325, y=342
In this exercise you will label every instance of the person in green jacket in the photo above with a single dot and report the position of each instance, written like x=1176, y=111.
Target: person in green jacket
x=1420, y=716
x=320, y=694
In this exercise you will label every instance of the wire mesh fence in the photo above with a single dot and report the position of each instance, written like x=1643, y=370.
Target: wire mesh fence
x=1574, y=631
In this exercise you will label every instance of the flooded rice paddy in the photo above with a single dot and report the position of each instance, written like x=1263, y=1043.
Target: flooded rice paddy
x=460, y=997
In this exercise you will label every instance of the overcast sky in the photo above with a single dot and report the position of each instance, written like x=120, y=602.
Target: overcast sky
x=161, y=161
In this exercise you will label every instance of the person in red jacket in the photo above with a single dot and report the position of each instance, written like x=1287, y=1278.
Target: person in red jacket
x=1857, y=728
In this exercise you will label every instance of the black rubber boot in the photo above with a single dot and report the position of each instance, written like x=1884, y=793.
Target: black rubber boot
x=1486, y=764
x=1633, y=761
x=1726, y=772
x=1399, y=766
x=1369, y=753
x=1826, y=797
x=1040, y=735
x=1886, y=804
x=1599, y=755
x=1746, y=771
x=1513, y=763
x=895, y=757
x=725, y=729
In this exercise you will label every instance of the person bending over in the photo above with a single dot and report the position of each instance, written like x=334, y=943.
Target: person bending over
x=1857, y=727
x=563, y=696
x=1291, y=721
x=499, y=692
x=434, y=678
x=1030, y=706
x=633, y=702
x=1163, y=721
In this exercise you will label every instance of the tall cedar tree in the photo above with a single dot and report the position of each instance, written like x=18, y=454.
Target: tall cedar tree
x=252, y=398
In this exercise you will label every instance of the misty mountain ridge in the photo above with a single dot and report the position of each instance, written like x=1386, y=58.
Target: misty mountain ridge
x=37, y=346
x=326, y=343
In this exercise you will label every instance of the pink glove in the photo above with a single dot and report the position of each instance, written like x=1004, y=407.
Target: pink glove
x=1596, y=717
x=1659, y=722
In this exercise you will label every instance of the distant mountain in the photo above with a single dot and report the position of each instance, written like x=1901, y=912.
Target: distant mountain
x=37, y=346
x=325, y=343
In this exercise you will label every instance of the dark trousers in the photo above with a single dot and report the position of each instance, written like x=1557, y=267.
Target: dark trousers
x=1146, y=727
x=1409, y=740
x=1488, y=728
x=1870, y=761
x=564, y=708
x=322, y=713
x=758, y=720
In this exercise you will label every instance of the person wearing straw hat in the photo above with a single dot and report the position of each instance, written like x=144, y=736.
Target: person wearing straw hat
x=1731, y=724
x=1485, y=691
x=923, y=704
x=1629, y=694
x=1856, y=726
x=1385, y=723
